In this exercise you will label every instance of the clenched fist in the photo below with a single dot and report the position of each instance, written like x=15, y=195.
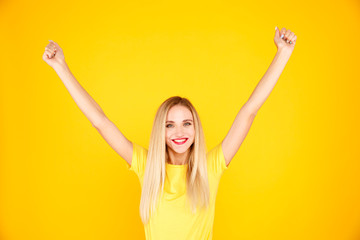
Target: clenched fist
x=53, y=55
x=285, y=39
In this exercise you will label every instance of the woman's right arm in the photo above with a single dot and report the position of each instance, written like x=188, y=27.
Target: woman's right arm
x=54, y=56
x=83, y=100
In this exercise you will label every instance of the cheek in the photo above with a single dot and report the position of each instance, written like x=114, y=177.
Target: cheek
x=193, y=131
x=189, y=131
x=167, y=135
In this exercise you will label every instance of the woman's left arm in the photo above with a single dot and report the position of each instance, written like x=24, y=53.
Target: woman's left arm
x=285, y=41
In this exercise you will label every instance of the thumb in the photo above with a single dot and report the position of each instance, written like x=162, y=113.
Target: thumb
x=277, y=32
x=53, y=42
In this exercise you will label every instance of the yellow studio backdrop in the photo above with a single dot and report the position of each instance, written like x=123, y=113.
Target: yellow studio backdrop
x=296, y=175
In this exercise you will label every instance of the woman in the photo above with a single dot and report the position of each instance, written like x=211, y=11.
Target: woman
x=179, y=180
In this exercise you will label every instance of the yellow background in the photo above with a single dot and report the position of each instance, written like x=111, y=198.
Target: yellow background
x=296, y=175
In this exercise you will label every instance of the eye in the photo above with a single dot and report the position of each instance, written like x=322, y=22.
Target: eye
x=184, y=124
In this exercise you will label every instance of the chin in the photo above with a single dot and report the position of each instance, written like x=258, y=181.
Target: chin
x=179, y=148
x=180, y=151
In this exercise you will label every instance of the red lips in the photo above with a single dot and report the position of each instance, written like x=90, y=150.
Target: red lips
x=179, y=143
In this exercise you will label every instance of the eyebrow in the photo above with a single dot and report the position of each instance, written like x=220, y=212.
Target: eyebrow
x=183, y=120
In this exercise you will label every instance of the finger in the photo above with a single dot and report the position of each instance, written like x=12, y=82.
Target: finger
x=277, y=32
x=290, y=37
x=47, y=55
x=294, y=39
x=54, y=43
x=282, y=32
x=287, y=34
x=50, y=53
x=50, y=48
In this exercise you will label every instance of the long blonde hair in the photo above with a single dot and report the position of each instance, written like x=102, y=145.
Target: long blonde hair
x=198, y=193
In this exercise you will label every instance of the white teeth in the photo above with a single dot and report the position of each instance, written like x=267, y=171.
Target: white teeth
x=179, y=141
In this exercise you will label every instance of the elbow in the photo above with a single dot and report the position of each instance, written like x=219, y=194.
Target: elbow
x=253, y=113
x=100, y=121
x=250, y=109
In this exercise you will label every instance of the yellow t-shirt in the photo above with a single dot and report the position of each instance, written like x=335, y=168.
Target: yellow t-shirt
x=172, y=219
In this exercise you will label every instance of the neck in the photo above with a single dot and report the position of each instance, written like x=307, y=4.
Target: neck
x=178, y=158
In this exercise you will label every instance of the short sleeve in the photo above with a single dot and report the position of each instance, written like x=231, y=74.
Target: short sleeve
x=216, y=160
x=138, y=161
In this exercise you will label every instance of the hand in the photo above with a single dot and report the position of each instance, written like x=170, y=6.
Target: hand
x=287, y=42
x=53, y=54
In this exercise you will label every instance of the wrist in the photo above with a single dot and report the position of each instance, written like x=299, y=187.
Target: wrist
x=283, y=51
x=60, y=67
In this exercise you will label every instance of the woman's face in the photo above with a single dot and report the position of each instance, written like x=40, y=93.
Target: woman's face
x=179, y=125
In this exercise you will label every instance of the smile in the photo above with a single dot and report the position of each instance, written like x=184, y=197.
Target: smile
x=180, y=142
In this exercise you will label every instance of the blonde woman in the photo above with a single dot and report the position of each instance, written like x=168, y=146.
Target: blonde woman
x=178, y=177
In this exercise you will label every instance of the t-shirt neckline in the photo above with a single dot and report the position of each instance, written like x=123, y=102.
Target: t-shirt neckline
x=174, y=165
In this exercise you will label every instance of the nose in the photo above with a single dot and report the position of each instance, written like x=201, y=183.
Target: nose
x=179, y=132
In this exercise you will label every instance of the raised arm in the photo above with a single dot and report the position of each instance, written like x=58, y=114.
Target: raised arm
x=285, y=42
x=54, y=56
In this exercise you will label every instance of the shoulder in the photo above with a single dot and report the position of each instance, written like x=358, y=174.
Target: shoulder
x=138, y=161
x=216, y=160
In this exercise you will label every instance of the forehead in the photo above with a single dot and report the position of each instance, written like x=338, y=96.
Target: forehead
x=179, y=112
